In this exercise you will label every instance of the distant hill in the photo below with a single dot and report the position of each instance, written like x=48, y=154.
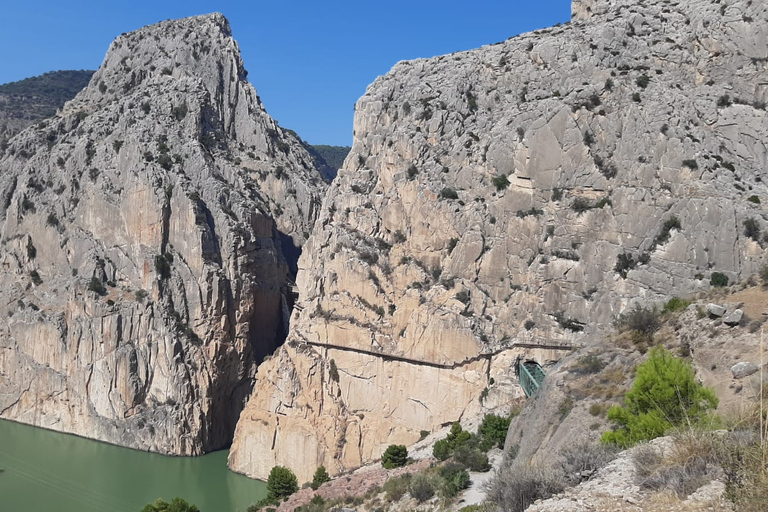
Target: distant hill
x=27, y=101
x=328, y=159
x=333, y=155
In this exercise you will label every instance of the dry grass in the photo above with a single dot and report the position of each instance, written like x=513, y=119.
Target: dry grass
x=690, y=464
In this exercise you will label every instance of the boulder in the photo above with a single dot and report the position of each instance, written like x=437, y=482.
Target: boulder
x=743, y=369
x=734, y=317
x=715, y=310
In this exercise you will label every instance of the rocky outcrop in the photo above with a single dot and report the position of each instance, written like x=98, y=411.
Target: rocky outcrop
x=140, y=233
x=524, y=192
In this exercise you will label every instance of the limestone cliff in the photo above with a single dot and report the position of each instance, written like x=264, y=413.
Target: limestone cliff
x=140, y=245
x=514, y=196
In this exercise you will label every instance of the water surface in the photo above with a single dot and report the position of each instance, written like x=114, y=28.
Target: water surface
x=48, y=471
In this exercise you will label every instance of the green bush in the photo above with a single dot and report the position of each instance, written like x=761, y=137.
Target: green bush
x=493, y=431
x=676, y=304
x=441, y=450
x=665, y=394
x=321, y=476
x=718, y=279
x=501, y=182
x=176, y=505
x=449, y=193
x=454, y=479
x=472, y=458
x=281, y=483
x=395, y=456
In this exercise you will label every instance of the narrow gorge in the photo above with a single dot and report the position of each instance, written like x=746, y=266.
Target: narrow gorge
x=500, y=204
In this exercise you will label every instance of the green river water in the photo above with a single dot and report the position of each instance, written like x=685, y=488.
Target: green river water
x=44, y=471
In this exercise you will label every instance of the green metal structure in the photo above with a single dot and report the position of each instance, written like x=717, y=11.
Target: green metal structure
x=530, y=375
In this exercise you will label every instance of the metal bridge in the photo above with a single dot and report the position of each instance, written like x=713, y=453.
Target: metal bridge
x=531, y=375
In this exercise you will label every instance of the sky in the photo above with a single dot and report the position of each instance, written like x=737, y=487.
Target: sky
x=309, y=60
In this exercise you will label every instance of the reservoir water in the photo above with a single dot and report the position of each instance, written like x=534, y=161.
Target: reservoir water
x=47, y=471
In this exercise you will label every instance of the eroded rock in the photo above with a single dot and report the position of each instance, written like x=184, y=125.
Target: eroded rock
x=143, y=271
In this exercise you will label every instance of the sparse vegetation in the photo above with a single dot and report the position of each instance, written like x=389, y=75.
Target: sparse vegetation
x=449, y=193
x=752, y=229
x=501, y=182
x=588, y=364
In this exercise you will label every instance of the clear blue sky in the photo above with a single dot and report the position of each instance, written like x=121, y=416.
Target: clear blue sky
x=309, y=60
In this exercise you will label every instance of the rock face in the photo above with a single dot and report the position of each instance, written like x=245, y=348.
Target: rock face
x=524, y=192
x=143, y=271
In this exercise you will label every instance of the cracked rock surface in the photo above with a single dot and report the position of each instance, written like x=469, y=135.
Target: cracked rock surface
x=143, y=232
x=527, y=191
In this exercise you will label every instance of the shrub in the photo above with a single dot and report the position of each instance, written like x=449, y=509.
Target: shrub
x=449, y=193
x=665, y=394
x=588, y=364
x=493, y=431
x=176, y=505
x=320, y=477
x=752, y=229
x=472, y=458
x=754, y=199
x=333, y=371
x=643, y=81
x=583, y=457
x=463, y=296
x=581, y=205
x=691, y=164
x=140, y=295
x=568, y=323
x=454, y=479
x=676, y=304
x=529, y=324
x=31, y=249
x=162, y=266
x=395, y=456
x=718, y=279
x=683, y=470
x=764, y=274
x=421, y=488
x=671, y=223
x=644, y=320
x=281, y=483
x=513, y=489
x=95, y=285
x=36, y=279
x=444, y=448
x=501, y=182
x=441, y=450
x=52, y=220
x=397, y=487
x=557, y=194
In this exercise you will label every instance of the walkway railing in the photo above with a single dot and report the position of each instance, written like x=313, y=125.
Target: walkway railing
x=531, y=375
